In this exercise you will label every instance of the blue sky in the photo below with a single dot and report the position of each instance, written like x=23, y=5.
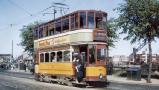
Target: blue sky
x=15, y=12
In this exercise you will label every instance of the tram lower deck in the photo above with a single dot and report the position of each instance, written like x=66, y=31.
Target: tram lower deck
x=75, y=63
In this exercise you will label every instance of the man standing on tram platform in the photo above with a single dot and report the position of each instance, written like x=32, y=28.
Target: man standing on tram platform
x=78, y=66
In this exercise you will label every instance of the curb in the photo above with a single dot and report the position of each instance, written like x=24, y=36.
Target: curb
x=133, y=83
x=18, y=71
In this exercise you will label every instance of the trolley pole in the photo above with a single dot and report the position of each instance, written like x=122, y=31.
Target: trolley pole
x=54, y=13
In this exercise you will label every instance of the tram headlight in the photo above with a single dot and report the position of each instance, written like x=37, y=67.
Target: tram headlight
x=100, y=76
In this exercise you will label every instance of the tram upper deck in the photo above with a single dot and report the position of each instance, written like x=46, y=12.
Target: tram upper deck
x=83, y=26
x=78, y=20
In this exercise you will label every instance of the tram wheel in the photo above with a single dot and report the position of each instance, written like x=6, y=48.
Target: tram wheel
x=36, y=77
x=41, y=78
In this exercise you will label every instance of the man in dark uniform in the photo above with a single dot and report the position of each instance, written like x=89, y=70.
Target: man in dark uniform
x=78, y=66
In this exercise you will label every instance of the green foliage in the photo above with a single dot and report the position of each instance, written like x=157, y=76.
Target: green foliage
x=112, y=32
x=139, y=19
x=27, y=38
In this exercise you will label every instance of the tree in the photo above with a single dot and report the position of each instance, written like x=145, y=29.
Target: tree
x=27, y=38
x=112, y=32
x=111, y=39
x=139, y=19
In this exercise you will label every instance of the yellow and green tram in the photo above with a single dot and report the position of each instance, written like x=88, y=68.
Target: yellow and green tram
x=57, y=42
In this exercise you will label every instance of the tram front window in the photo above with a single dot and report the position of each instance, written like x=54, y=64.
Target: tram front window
x=99, y=20
x=105, y=21
x=101, y=54
x=90, y=20
x=91, y=54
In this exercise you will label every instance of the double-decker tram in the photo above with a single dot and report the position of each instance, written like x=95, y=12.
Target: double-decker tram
x=72, y=49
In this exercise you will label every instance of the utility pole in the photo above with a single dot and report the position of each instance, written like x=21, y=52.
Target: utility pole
x=12, y=50
x=11, y=25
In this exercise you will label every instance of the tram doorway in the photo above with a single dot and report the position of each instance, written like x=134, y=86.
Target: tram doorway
x=83, y=53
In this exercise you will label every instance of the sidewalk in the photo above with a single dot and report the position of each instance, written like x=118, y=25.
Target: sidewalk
x=117, y=79
x=17, y=70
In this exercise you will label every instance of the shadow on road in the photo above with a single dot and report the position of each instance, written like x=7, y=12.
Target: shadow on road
x=96, y=85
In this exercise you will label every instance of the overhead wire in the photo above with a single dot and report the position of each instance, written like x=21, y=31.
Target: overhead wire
x=21, y=20
x=20, y=7
x=30, y=15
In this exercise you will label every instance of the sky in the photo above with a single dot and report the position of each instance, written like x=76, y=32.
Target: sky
x=15, y=14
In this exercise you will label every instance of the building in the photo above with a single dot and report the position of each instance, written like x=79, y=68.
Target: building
x=119, y=60
x=24, y=59
x=144, y=58
x=5, y=60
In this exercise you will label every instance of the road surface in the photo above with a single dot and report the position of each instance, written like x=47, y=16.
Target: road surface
x=25, y=81
x=10, y=80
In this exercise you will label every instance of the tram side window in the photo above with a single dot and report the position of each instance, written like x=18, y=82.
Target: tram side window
x=41, y=33
x=91, y=54
x=51, y=32
x=76, y=20
x=59, y=56
x=53, y=57
x=46, y=31
x=46, y=57
x=66, y=55
x=72, y=22
x=65, y=25
x=41, y=57
x=51, y=29
x=82, y=19
x=58, y=27
x=99, y=20
x=101, y=54
x=36, y=34
x=91, y=20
